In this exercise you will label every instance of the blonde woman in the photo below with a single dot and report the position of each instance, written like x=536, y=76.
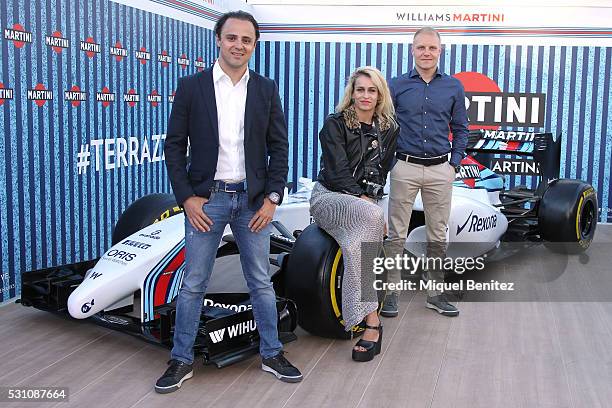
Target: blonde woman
x=358, y=144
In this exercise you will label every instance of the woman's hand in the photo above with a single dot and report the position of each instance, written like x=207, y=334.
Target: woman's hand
x=365, y=197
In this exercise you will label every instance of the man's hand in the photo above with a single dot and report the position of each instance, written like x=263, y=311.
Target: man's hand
x=263, y=216
x=195, y=214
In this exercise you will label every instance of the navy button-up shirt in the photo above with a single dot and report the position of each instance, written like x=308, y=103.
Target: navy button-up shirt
x=426, y=111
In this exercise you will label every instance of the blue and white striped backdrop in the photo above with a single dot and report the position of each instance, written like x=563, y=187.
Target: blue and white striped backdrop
x=52, y=215
x=576, y=81
x=49, y=214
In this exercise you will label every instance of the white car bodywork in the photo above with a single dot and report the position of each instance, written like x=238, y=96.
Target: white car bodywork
x=156, y=253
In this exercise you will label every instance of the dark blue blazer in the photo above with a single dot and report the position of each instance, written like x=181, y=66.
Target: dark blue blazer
x=194, y=119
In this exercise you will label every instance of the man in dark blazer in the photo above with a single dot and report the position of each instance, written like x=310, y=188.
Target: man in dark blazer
x=232, y=120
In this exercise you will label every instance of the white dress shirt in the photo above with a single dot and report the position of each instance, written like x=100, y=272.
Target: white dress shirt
x=231, y=101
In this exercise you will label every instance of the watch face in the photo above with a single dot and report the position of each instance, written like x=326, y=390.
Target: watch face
x=274, y=197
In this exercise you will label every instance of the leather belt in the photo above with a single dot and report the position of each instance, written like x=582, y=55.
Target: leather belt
x=429, y=161
x=221, y=185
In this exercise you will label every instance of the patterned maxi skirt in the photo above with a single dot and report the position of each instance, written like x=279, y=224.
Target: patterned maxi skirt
x=352, y=221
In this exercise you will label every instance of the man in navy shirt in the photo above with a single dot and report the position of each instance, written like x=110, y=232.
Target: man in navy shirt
x=428, y=105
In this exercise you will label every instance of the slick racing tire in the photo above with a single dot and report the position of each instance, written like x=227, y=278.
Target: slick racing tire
x=567, y=216
x=313, y=280
x=144, y=212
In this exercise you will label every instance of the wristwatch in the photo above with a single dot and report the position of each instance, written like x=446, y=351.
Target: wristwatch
x=457, y=168
x=274, y=197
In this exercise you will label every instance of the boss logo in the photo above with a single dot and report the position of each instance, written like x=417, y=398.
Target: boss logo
x=126, y=256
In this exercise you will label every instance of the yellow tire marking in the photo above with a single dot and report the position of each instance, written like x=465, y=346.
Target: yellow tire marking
x=578, y=218
x=332, y=283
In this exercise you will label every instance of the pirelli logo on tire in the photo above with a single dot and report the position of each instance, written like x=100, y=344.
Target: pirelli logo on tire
x=581, y=214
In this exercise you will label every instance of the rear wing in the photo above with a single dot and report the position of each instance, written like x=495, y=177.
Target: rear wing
x=546, y=152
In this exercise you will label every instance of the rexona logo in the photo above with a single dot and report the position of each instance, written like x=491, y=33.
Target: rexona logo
x=123, y=255
x=75, y=96
x=164, y=58
x=18, y=35
x=183, y=61
x=5, y=94
x=490, y=108
x=57, y=42
x=142, y=55
x=90, y=47
x=154, y=98
x=40, y=95
x=199, y=64
x=105, y=96
x=478, y=224
x=131, y=98
x=118, y=52
x=232, y=331
x=136, y=244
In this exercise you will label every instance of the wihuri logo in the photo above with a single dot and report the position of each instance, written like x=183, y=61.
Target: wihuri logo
x=237, y=329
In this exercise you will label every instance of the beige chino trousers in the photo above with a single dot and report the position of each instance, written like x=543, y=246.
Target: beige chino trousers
x=435, y=183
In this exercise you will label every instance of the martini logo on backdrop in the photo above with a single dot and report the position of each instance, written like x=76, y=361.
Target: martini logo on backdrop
x=183, y=61
x=40, y=95
x=199, y=64
x=142, y=55
x=6, y=94
x=164, y=58
x=18, y=35
x=155, y=98
x=105, y=96
x=57, y=42
x=90, y=47
x=75, y=96
x=118, y=51
x=131, y=97
x=490, y=108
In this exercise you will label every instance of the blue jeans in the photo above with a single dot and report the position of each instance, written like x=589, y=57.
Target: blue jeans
x=200, y=251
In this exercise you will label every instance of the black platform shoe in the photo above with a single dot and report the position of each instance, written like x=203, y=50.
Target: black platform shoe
x=372, y=348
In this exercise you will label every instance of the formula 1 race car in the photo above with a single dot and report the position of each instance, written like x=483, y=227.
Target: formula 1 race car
x=132, y=287
x=561, y=213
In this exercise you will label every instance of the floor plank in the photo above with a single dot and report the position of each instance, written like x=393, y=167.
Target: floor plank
x=475, y=378
x=553, y=352
x=259, y=389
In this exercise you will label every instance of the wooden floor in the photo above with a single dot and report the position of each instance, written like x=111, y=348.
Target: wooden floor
x=495, y=354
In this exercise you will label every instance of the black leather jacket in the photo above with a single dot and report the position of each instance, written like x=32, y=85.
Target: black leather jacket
x=348, y=155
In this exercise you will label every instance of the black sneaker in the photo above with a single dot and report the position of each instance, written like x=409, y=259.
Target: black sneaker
x=441, y=305
x=173, y=377
x=389, y=308
x=281, y=368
